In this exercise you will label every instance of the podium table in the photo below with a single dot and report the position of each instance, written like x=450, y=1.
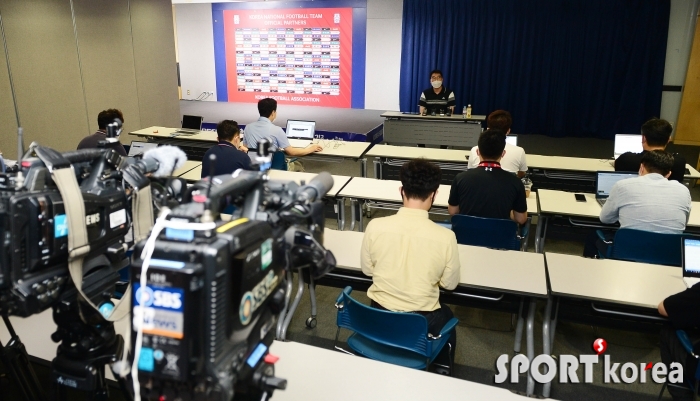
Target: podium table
x=413, y=129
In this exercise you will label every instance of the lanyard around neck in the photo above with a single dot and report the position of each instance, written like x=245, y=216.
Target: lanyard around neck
x=490, y=165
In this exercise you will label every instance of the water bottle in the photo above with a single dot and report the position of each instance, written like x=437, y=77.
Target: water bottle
x=464, y=112
x=468, y=114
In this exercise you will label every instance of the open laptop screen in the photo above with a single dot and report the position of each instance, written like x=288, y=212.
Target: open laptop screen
x=139, y=148
x=691, y=257
x=512, y=139
x=192, y=122
x=627, y=143
x=606, y=179
x=299, y=129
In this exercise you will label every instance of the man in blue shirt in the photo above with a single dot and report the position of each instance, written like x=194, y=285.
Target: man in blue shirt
x=264, y=129
x=228, y=156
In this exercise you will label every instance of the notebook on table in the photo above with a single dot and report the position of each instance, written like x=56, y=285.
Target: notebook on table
x=301, y=131
x=691, y=261
x=605, y=181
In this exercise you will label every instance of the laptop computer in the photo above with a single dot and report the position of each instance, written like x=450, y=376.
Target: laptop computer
x=691, y=261
x=512, y=139
x=301, y=130
x=627, y=143
x=190, y=125
x=605, y=180
x=139, y=148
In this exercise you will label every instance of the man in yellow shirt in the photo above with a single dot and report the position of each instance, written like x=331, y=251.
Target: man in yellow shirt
x=409, y=256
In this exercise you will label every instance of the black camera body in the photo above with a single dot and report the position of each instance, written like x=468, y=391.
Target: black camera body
x=34, y=228
x=210, y=307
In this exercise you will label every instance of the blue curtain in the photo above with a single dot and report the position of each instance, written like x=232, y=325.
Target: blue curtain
x=585, y=68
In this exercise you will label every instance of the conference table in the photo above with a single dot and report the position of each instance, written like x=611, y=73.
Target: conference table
x=413, y=129
x=314, y=373
x=548, y=172
x=372, y=193
x=496, y=272
x=583, y=214
x=607, y=284
x=187, y=167
x=196, y=145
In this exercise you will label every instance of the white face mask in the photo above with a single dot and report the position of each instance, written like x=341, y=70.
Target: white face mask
x=436, y=84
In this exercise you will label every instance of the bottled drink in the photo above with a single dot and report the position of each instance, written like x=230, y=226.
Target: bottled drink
x=468, y=114
x=464, y=112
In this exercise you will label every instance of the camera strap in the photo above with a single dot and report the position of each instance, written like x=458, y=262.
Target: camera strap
x=63, y=175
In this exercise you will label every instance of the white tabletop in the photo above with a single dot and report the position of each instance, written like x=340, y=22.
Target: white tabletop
x=410, y=152
x=616, y=281
x=315, y=373
x=193, y=175
x=189, y=165
x=165, y=132
x=388, y=190
x=483, y=268
x=296, y=176
x=565, y=203
x=335, y=148
x=569, y=163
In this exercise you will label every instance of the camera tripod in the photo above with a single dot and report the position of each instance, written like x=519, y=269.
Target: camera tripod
x=15, y=358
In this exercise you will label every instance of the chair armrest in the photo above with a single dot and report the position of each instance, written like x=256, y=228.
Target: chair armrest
x=448, y=327
x=346, y=291
x=607, y=242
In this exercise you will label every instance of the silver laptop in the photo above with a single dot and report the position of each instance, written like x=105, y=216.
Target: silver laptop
x=190, y=125
x=691, y=261
x=627, y=143
x=605, y=181
x=512, y=139
x=139, y=148
x=301, y=130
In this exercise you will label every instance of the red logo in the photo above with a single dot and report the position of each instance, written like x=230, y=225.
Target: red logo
x=599, y=346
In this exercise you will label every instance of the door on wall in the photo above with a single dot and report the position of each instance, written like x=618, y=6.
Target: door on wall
x=688, y=129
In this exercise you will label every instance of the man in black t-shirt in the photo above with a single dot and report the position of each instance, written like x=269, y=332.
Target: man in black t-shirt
x=229, y=156
x=488, y=190
x=437, y=96
x=656, y=134
x=683, y=311
x=105, y=118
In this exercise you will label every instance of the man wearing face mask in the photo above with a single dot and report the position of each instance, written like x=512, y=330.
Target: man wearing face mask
x=437, y=96
x=105, y=118
x=409, y=257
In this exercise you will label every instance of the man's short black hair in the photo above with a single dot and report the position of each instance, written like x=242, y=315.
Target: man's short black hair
x=227, y=130
x=499, y=119
x=436, y=72
x=491, y=144
x=419, y=178
x=266, y=107
x=108, y=116
x=657, y=132
x=658, y=161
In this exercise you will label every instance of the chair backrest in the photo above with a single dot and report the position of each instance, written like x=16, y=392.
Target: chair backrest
x=408, y=331
x=279, y=161
x=486, y=232
x=647, y=247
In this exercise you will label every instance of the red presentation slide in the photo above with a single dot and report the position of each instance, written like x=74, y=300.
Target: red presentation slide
x=296, y=56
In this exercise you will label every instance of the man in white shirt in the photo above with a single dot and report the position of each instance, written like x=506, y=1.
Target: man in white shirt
x=514, y=158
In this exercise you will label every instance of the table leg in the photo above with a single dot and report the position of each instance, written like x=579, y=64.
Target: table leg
x=519, y=328
x=292, y=308
x=340, y=204
x=363, y=167
x=353, y=217
x=539, y=235
x=549, y=345
x=531, y=344
x=361, y=206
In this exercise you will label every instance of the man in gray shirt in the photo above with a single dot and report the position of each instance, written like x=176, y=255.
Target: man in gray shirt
x=649, y=202
x=265, y=129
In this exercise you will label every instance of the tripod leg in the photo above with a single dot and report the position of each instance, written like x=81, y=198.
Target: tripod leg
x=14, y=357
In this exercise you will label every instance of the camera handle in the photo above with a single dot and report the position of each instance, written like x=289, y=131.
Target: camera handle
x=14, y=356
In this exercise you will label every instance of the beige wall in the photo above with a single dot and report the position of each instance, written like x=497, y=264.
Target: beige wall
x=124, y=57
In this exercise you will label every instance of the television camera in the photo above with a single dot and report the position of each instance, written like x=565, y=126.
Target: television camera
x=208, y=293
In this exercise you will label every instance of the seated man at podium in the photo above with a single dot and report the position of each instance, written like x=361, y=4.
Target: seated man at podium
x=514, y=159
x=410, y=258
x=488, y=190
x=437, y=97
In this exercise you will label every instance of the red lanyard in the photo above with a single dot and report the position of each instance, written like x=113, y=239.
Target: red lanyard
x=490, y=165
